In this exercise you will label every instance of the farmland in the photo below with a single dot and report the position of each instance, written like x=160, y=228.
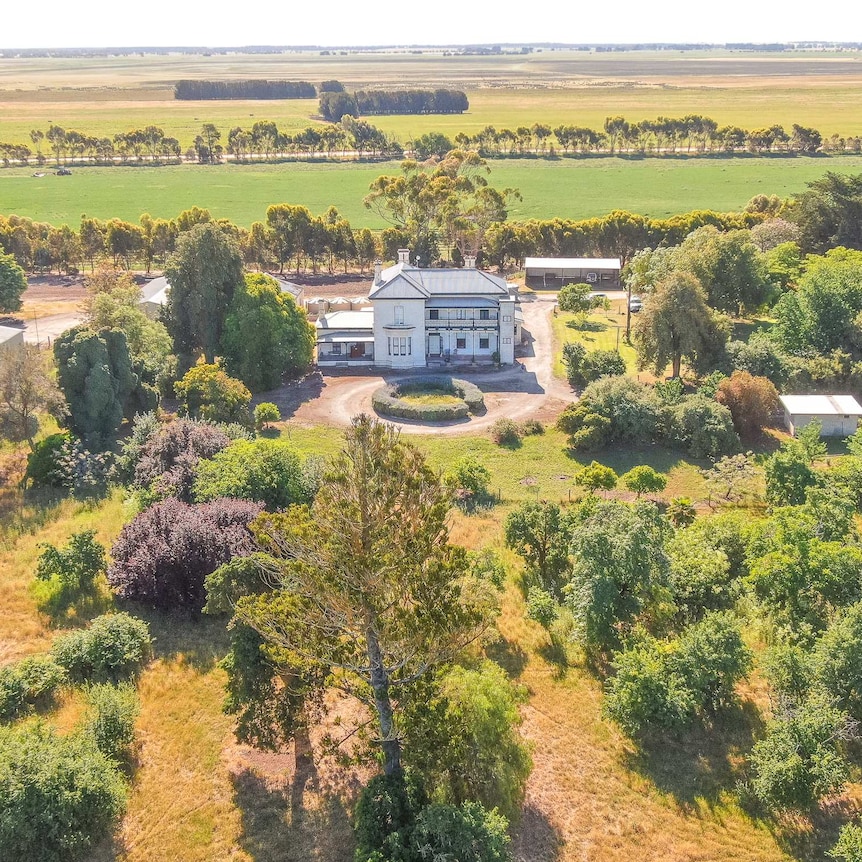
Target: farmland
x=564, y=188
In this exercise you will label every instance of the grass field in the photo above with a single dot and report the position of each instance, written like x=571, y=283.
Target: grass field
x=562, y=188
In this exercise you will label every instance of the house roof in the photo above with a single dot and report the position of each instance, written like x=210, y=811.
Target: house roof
x=821, y=405
x=11, y=334
x=403, y=281
x=572, y=263
x=156, y=290
x=361, y=321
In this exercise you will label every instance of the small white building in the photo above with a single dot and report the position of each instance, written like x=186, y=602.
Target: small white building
x=11, y=337
x=837, y=414
x=552, y=273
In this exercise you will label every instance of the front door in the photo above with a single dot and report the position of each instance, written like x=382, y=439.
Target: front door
x=435, y=345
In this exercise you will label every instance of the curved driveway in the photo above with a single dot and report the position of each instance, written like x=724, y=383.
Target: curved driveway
x=529, y=390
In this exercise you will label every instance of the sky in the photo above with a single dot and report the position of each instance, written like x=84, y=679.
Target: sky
x=100, y=23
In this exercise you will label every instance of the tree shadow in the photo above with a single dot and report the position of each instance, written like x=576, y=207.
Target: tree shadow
x=535, y=838
x=586, y=325
x=696, y=765
x=290, y=397
x=278, y=825
x=556, y=653
x=811, y=836
x=509, y=655
x=192, y=637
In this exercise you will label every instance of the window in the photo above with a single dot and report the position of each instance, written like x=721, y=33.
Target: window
x=400, y=346
x=399, y=314
x=389, y=346
x=461, y=342
x=434, y=314
x=484, y=314
x=335, y=350
x=461, y=314
x=507, y=318
x=507, y=341
x=591, y=278
x=483, y=343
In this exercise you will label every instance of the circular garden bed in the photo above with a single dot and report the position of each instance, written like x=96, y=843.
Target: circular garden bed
x=428, y=399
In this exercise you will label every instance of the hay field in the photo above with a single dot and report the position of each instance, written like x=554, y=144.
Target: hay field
x=105, y=95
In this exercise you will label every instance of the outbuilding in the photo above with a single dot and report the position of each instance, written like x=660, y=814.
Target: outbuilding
x=552, y=273
x=11, y=337
x=838, y=414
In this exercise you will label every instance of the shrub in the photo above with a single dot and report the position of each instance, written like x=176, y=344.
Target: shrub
x=602, y=363
x=82, y=472
x=42, y=461
x=385, y=812
x=60, y=795
x=67, y=574
x=388, y=399
x=505, y=432
x=587, y=430
x=596, y=477
x=167, y=462
x=700, y=576
x=573, y=359
x=703, y=427
x=849, y=844
x=469, y=833
x=144, y=426
x=644, y=480
x=208, y=392
x=532, y=427
x=31, y=682
x=752, y=402
x=111, y=722
x=799, y=760
x=111, y=648
x=163, y=556
x=469, y=479
x=265, y=413
x=789, y=475
x=541, y=606
x=837, y=661
x=667, y=684
x=681, y=512
x=462, y=740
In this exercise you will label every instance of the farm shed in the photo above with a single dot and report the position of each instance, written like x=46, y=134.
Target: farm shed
x=838, y=414
x=11, y=337
x=552, y=273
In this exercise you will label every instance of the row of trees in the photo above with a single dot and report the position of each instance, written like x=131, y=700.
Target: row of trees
x=347, y=135
x=244, y=89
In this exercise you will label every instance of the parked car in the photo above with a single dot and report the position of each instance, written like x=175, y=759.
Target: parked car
x=64, y=172
x=635, y=304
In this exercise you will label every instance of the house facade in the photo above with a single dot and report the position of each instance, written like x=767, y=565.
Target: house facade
x=421, y=317
x=838, y=414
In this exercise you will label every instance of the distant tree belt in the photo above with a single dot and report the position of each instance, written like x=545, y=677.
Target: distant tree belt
x=249, y=89
x=333, y=106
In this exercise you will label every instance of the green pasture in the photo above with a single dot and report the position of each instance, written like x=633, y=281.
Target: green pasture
x=601, y=331
x=562, y=188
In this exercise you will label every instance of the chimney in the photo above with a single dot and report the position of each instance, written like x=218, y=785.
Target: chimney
x=404, y=256
x=378, y=268
x=469, y=261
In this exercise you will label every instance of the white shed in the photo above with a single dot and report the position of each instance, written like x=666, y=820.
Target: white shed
x=838, y=414
x=10, y=336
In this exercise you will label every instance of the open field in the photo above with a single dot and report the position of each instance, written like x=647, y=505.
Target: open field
x=103, y=96
x=562, y=188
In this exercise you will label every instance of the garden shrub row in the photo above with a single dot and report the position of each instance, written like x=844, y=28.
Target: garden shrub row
x=389, y=399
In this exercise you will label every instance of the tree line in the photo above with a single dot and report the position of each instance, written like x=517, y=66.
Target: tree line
x=247, y=89
x=346, y=136
x=334, y=105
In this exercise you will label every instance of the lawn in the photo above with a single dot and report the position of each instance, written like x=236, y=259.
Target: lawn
x=563, y=188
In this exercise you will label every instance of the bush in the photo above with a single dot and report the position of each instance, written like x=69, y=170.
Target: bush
x=462, y=740
x=644, y=480
x=596, y=477
x=703, y=427
x=505, y=432
x=700, y=576
x=468, y=833
x=265, y=413
x=111, y=648
x=82, y=472
x=573, y=360
x=385, y=812
x=163, y=556
x=837, y=661
x=59, y=795
x=681, y=512
x=667, y=684
x=65, y=575
x=388, y=400
x=799, y=762
x=849, y=844
x=602, y=363
x=469, y=480
x=30, y=683
x=752, y=402
x=208, y=392
x=167, y=462
x=111, y=722
x=532, y=427
x=541, y=606
x=42, y=461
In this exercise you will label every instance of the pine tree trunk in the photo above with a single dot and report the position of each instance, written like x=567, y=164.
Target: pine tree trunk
x=380, y=686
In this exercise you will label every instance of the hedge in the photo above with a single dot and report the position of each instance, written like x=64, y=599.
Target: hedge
x=388, y=399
